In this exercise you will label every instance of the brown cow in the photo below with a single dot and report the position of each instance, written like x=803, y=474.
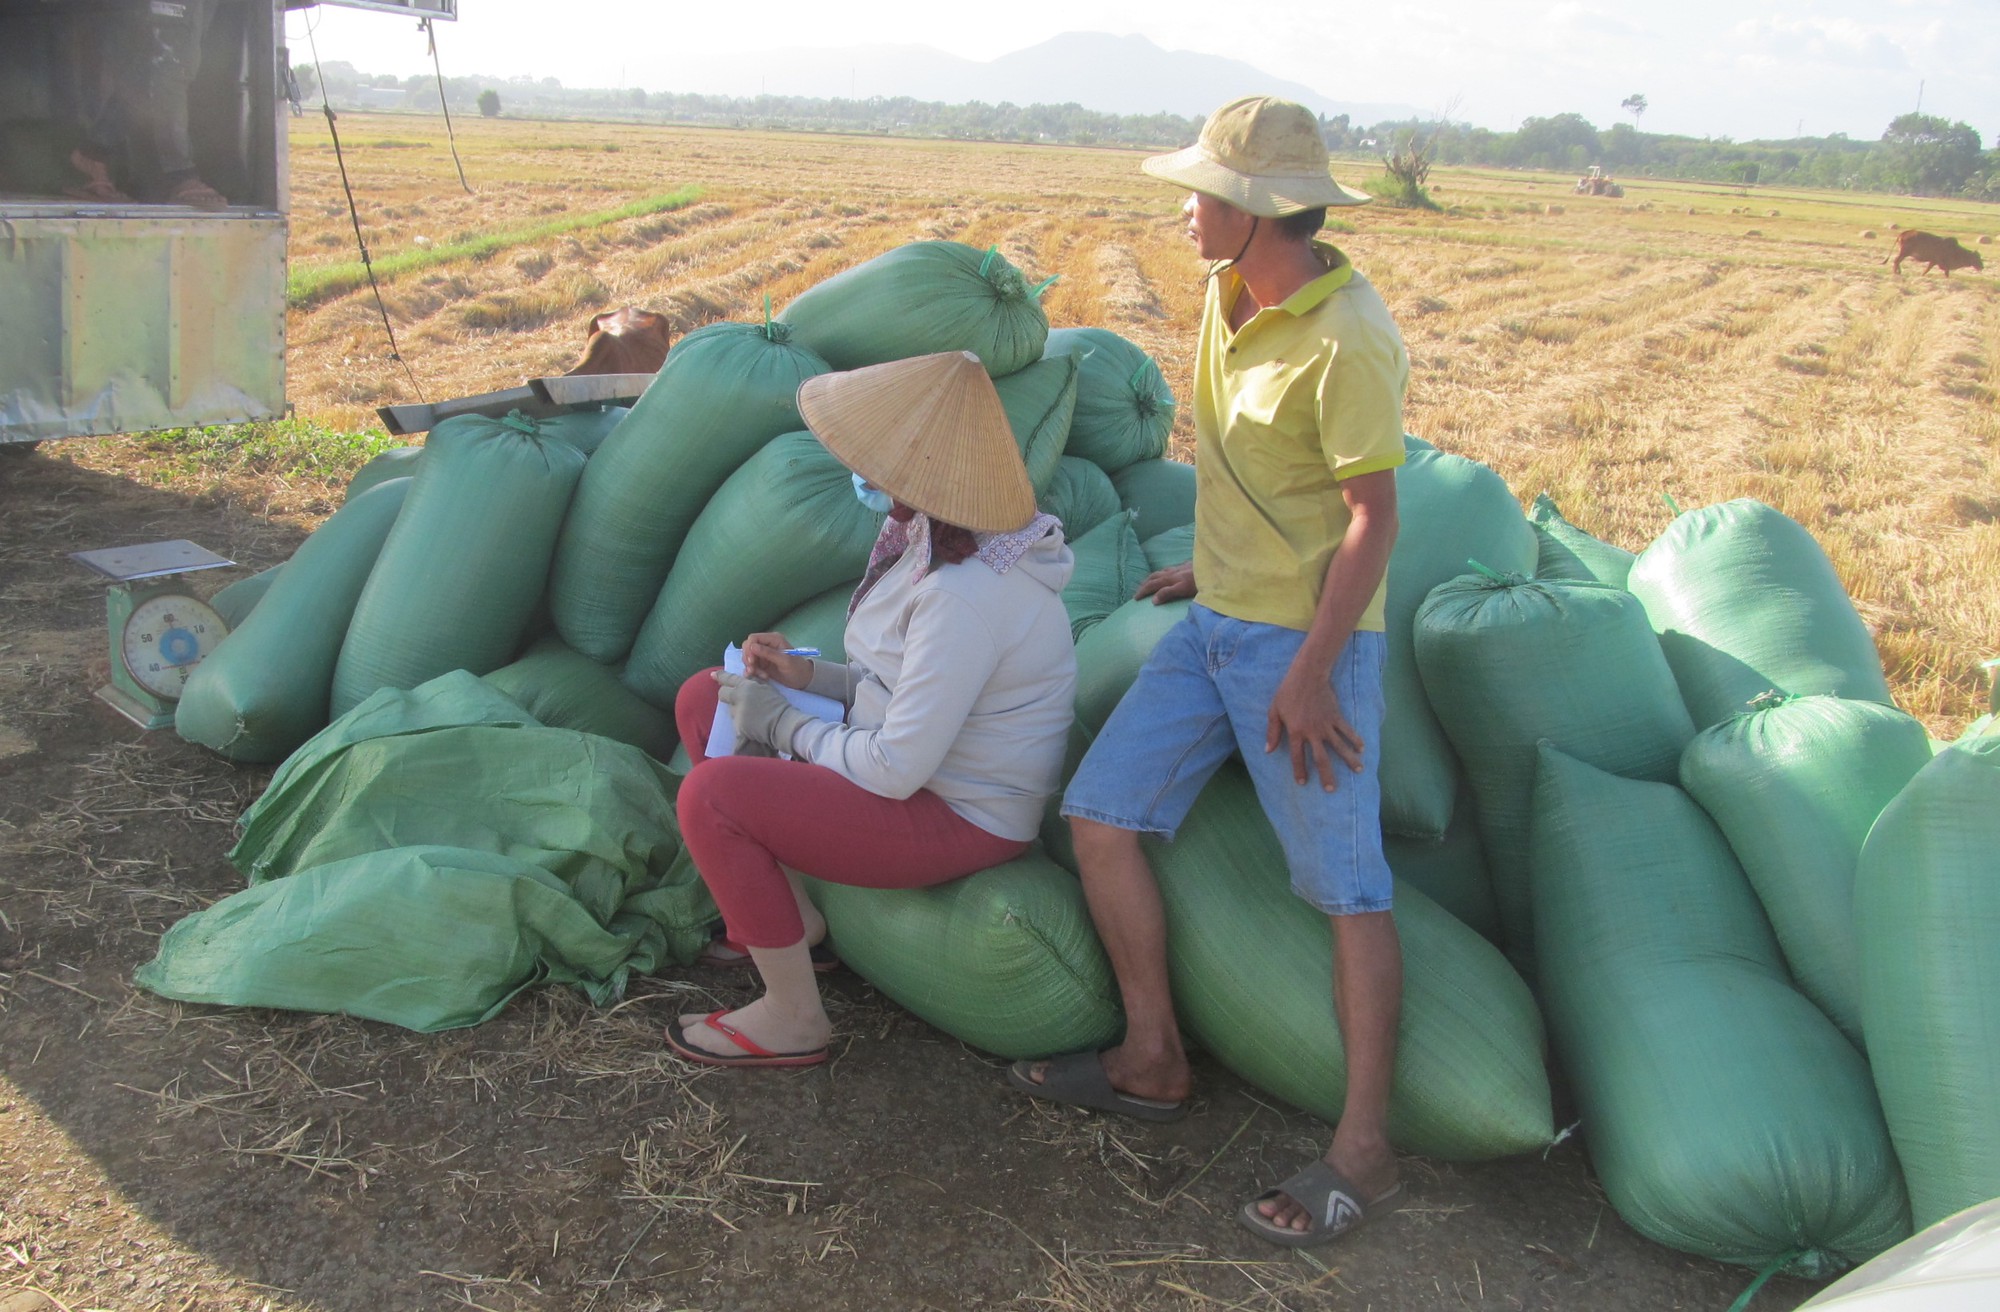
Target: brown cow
x=1938, y=252
x=627, y=341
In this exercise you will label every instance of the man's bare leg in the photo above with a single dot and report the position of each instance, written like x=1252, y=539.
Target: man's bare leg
x=1368, y=1002
x=1125, y=905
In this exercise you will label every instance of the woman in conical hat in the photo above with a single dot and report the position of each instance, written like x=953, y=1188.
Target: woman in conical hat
x=957, y=695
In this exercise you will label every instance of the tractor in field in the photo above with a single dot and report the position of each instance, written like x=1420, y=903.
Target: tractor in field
x=1597, y=183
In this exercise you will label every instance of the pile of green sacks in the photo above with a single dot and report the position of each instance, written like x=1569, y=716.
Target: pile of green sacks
x=1635, y=796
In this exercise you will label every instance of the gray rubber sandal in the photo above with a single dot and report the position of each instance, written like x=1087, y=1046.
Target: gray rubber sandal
x=1332, y=1200
x=1078, y=1079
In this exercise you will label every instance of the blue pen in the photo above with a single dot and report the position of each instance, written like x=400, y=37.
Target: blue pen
x=801, y=651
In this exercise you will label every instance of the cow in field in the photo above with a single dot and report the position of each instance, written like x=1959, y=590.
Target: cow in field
x=1938, y=252
x=627, y=341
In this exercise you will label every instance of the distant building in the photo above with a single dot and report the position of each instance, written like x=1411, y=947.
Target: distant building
x=380, y=98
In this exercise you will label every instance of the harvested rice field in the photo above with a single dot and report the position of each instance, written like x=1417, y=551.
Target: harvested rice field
x=1693, y=342
x=1683, y=342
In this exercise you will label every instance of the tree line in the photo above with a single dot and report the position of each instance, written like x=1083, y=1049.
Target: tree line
x=1917, y=154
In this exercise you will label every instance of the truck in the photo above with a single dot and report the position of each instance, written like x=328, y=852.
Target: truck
x=120, y=316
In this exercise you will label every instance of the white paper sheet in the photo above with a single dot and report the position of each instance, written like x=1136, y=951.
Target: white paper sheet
x=722, y=735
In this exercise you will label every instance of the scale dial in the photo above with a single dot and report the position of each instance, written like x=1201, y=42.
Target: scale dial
x=165, y=638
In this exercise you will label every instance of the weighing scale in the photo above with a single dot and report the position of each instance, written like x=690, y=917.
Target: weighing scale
x=158, y=633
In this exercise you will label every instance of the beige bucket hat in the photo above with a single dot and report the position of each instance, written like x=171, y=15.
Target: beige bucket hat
x=1261, y=154
x=929, y=431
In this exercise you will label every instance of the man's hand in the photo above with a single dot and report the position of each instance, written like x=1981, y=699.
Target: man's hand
x=764, y=720
x=1306, y=715
x=1169, y=584
x=764, y=658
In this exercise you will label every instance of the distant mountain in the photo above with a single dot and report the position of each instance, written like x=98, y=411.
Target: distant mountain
x=1131, y=75
x=1110, y=74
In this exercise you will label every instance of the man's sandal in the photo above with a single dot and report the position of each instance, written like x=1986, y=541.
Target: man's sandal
x=1078, y=1079
x=1328, y=1197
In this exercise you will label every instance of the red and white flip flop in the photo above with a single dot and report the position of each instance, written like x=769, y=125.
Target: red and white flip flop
x=754, y=1053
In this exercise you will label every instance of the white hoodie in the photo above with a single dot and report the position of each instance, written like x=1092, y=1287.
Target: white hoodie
x=962, y=682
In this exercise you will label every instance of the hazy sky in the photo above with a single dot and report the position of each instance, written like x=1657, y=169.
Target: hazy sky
x=1739, y=68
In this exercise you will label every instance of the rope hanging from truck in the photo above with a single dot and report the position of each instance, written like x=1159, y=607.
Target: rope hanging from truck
x=354, y=214
x=430, y=35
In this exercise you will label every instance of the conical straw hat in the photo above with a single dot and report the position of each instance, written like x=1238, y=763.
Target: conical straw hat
x=931, y=433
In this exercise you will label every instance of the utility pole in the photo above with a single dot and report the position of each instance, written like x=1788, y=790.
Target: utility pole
x=1920, y=95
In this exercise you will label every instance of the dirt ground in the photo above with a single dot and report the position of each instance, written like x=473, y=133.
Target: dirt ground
x=160, y=1156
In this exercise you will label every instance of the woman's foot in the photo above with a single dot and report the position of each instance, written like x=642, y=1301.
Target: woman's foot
x=758, y=1034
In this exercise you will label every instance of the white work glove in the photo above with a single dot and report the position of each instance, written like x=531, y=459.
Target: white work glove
x=764, y=720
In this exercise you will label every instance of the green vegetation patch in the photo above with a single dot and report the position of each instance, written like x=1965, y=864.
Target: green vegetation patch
x=286, y=448
x=308, y=287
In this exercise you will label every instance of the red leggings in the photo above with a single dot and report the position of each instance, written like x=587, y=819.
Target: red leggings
x=743, y=817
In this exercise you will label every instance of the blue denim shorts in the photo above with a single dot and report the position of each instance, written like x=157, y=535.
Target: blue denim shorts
x=1206, y=692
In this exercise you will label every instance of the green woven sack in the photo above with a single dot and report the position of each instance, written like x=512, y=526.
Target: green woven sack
x=1109, y=567
x=724, y=392
x=429, y=938
x=1080, y=495
x=922, y=298
x=1508, y=662
x=1452, y=871
x=458, y=581
x=1252, y=967
x=784, y=528
x=1109, y=655
x=1162, y=491
x=1173, y=547
x=1927, y=905
x=1565, y=551
x=1726, y=1116
x=1005, y=959
x=584, y=429
x=235, y=602
x=265, y=688
x=596, y=813
x=1745, y=602
x=398, y=462
x=1451, y=510
x=1124, y=408
x=1039, y=401
x=279, y=820
x=565, y=689
x=1794, y=786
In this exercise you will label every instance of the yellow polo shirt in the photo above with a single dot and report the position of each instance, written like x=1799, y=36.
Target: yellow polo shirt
x=1307, y=393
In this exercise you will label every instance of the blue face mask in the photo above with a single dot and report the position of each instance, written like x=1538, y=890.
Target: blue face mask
x=871, y=496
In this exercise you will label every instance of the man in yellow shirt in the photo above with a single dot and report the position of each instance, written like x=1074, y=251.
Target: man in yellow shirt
x=1299, y=381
